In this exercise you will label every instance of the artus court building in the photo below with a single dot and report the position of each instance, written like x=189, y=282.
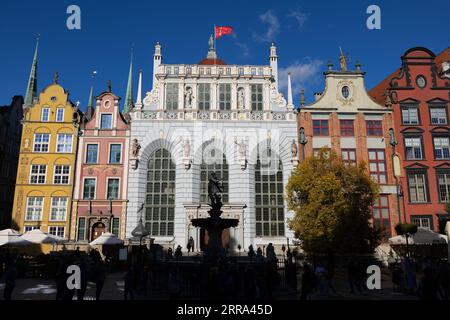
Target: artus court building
x=212, y=117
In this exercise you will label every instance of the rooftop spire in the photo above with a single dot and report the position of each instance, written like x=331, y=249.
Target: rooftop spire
x=129, y=95
x=342, y=60
x=90, y=105
x=139, y=92
x=290, y=102
x=32, y=80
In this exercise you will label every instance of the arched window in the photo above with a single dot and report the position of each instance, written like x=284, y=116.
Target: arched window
x=213, y=160
x=160, y=197
x=269, y=202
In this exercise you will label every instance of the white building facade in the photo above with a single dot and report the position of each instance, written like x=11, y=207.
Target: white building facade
x=212, y=117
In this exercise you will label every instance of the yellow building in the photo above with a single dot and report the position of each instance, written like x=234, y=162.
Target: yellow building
x=47, y=160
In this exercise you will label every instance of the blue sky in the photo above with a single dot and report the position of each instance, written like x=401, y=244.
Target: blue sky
x=307, y=34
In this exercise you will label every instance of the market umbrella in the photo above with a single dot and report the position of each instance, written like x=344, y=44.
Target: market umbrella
x=10, y=237
x=422, y=236
x=106, y=239
x=37, y=236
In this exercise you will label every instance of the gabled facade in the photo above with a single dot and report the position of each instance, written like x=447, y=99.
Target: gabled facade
x=100, y=198
x=48, y=146
x=10, y=134
x=419, y=94
x=346, y=120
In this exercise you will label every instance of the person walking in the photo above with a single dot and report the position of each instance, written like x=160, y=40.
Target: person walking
x=190, y=244
x=10, y=280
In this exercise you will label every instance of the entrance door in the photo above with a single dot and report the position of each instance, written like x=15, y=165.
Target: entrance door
x=97, y=230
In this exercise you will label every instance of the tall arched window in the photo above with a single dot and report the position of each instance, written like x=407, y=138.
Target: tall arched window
x=269, y=202
x=160, y=197
x=213, y=160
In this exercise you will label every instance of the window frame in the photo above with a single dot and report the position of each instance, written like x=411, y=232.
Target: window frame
x=58, y=208
x=57, y=233
x=41, y=143
x=61, y=175
x=204, y=96
x=379, y=206
x=409, y=107
x=171, y=103
x=434, y=147
x=34, y=207
x=257, y=97
x=48, y=114
x=108, y=179
x=377, y=161
x=110, y=153
x=38, y=174
x=64, y=143
x=440, y=172
x=321, y=127
x=370, y=128
x=413, y=148
x=57, y=115
x=87, y=153
x=101, y=120
x=438, y=106
x=345, y=129
x=348, y=161
x=426, y=185
x=84, y=188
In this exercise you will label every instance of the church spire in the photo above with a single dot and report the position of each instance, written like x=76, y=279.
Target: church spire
x=129, y=95
x=32, y=80
x=90, y=105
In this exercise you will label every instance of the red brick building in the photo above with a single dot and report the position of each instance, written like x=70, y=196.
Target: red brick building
x=419, y=94
x=345, y=119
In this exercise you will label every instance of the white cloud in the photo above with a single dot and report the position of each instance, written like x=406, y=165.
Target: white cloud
x=299, y=16
x=273, y=28
x=243, y=49
x=303, y=72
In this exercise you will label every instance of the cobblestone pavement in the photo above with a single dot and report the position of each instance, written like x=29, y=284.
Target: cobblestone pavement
x=41, y=289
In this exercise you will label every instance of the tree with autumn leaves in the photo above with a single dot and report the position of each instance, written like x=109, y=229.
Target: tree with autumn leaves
x=332, y=205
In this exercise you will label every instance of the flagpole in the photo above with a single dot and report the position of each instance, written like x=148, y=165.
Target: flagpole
x=215, y=44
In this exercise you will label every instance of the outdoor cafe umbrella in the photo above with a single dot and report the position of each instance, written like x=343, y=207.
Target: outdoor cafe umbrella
x=106, y=239
x=37, y=236
x=10, y=237
x=422, y=236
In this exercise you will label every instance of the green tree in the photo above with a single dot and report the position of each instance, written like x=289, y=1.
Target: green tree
x=332, y=205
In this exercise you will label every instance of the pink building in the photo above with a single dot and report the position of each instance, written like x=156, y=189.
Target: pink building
x=100, y=196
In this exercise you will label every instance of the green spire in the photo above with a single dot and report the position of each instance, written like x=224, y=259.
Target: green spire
x=129, y=95
x=32, y=80
x=90, y=106
x=91, y=97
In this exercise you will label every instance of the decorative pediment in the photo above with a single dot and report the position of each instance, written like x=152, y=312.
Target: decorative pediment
x=441, y=129
x=416, y=166
x=409, y=100
x=412, y=130
x=437, y=101
x=445, y=165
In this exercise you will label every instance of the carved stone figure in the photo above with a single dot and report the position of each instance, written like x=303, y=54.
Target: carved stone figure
x=215, y=191
x=294, y=149
x=186, y=149
x=135, y=148
x=242, y=148
x=241, y=98
x=188, y=98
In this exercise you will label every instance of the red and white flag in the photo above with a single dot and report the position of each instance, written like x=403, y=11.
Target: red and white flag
x=221, y=31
